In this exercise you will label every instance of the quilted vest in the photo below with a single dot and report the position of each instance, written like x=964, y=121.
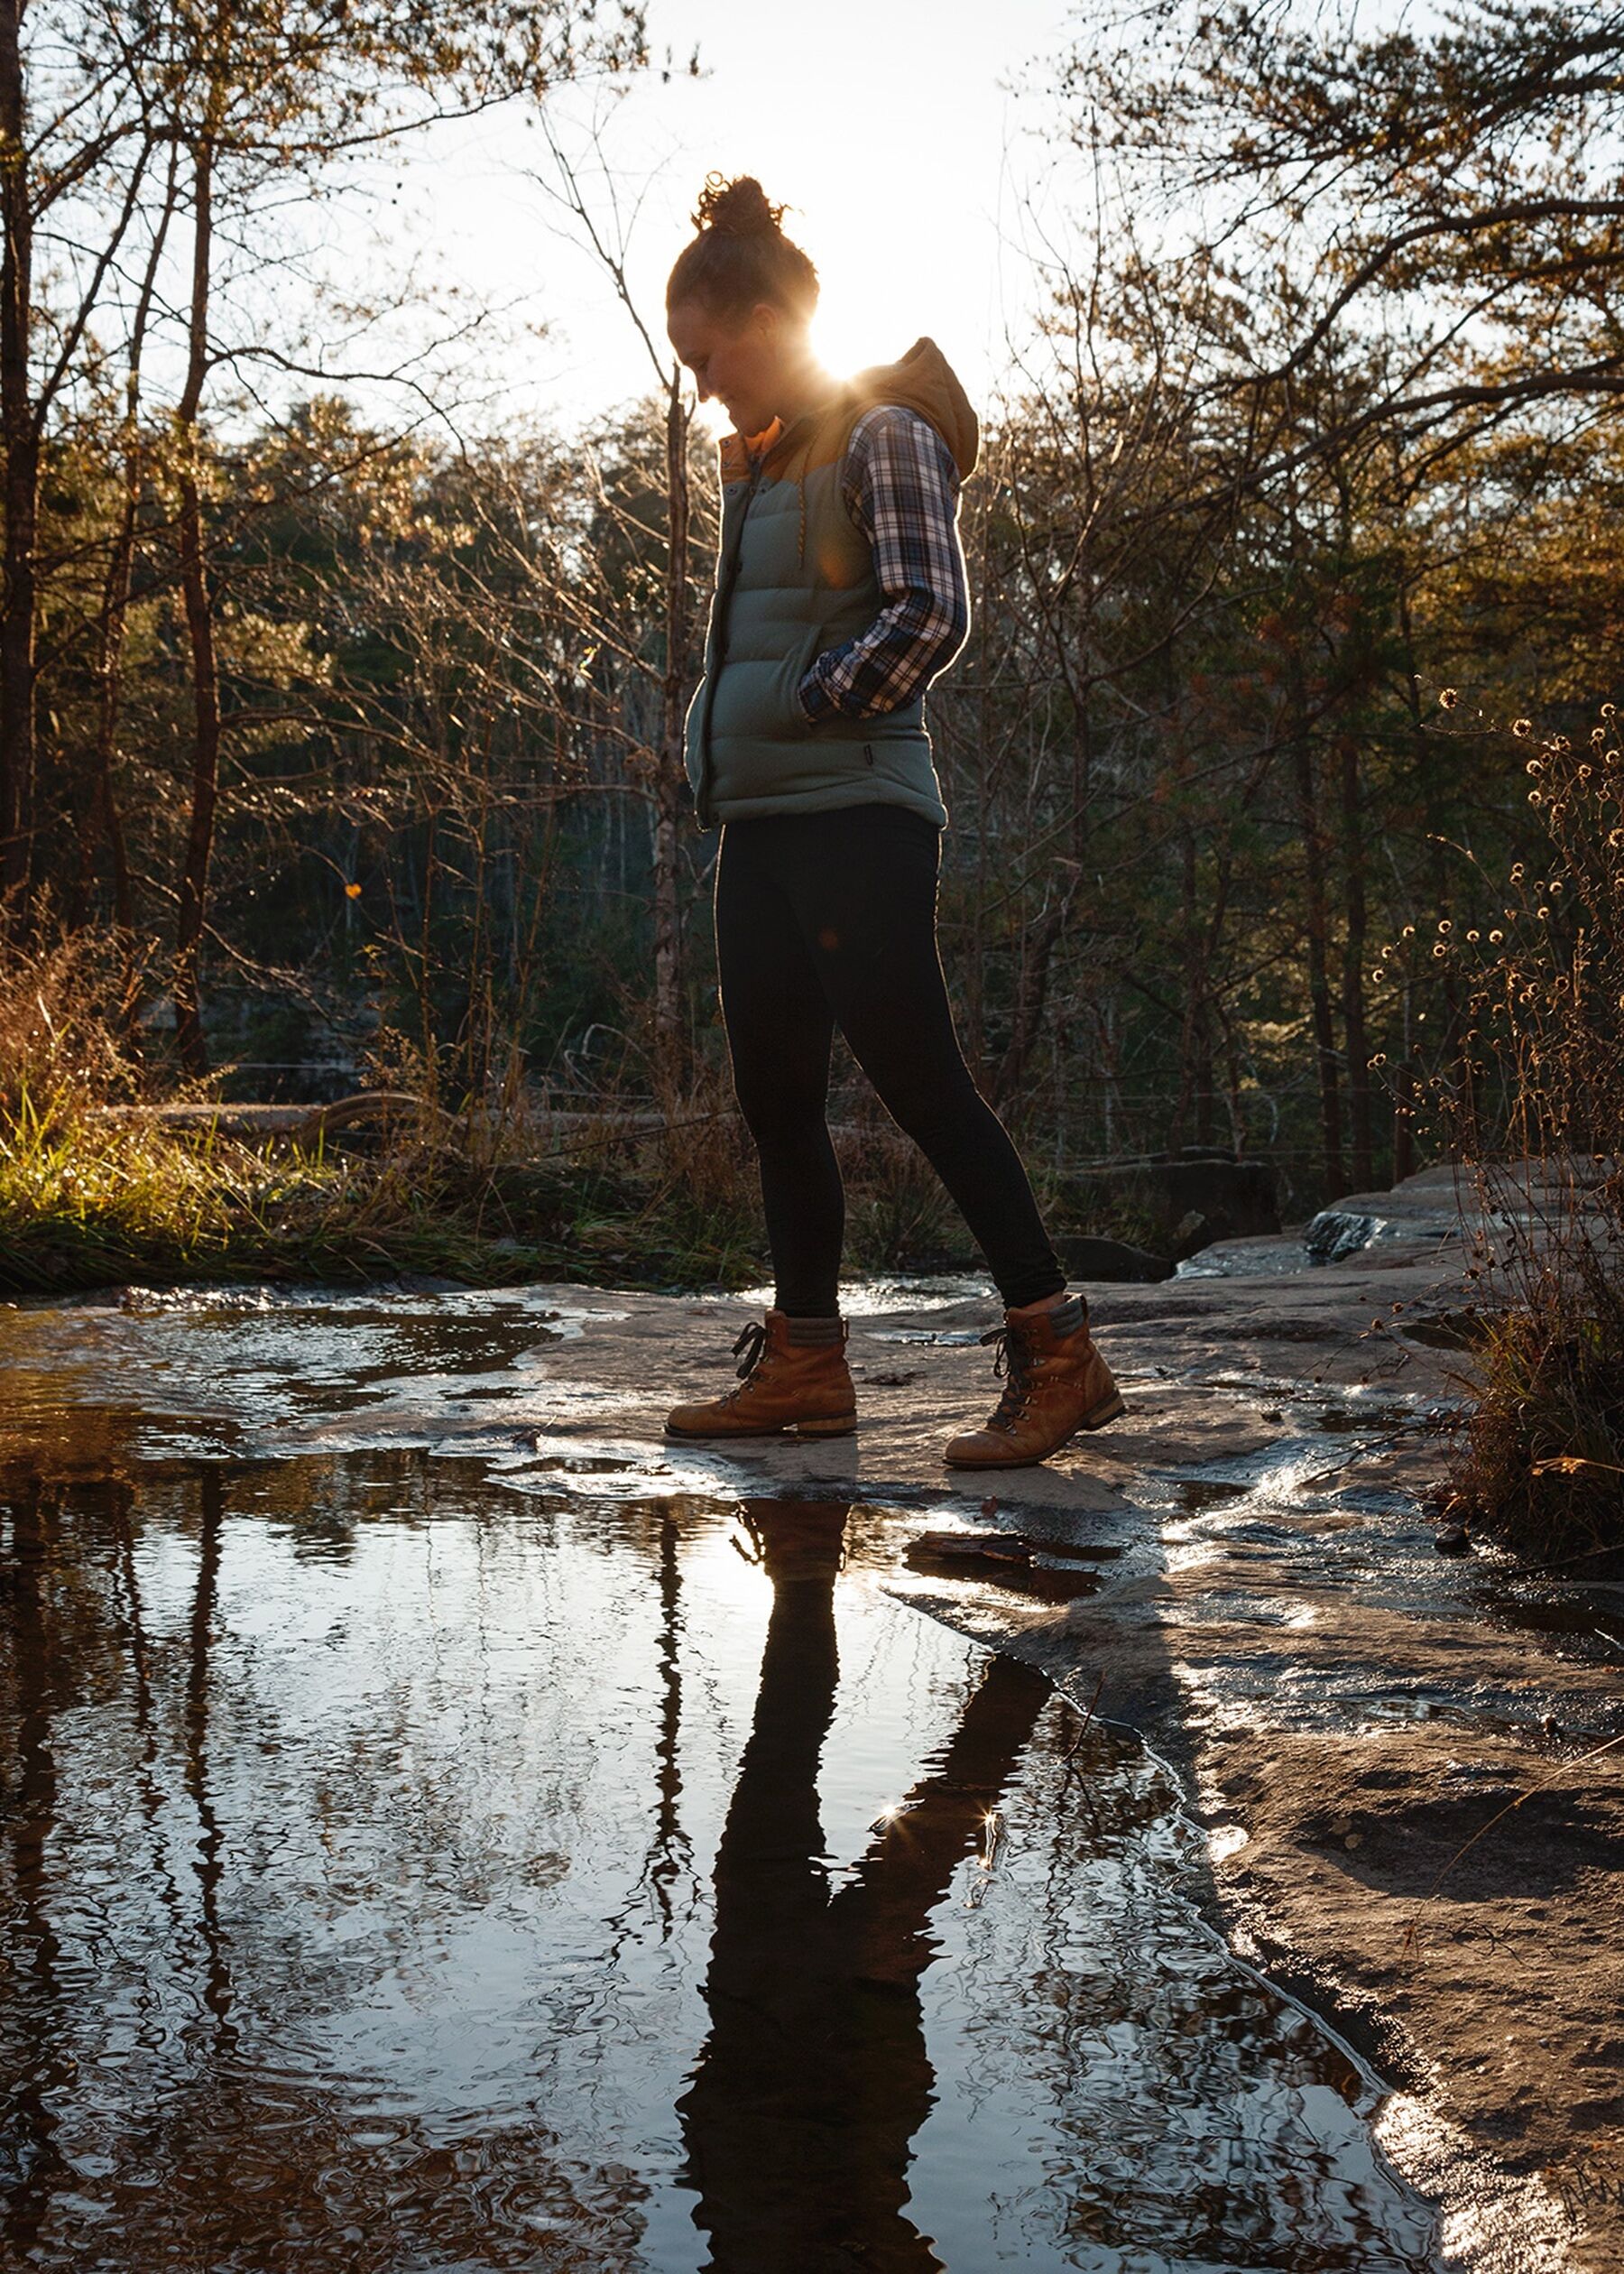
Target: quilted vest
x=795, y=577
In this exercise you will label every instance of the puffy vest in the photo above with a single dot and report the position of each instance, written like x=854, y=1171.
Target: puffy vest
x=795, y=577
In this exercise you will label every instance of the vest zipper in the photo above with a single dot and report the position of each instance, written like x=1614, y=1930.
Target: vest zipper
x=719, y=649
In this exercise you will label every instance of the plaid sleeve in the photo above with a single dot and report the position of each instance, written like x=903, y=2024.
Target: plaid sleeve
x=901, y=487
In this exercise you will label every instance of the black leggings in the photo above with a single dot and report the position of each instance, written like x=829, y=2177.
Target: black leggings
x=831, y=917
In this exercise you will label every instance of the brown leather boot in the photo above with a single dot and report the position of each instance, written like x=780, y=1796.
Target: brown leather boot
x=793, y=1376
x=1057, y=1383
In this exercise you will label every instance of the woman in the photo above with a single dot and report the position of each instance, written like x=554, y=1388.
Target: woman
x=840, y=594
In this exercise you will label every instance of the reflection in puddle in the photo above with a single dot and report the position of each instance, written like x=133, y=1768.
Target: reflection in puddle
x=1006, y=1561
x=406, y=1873
x=1193, y=1493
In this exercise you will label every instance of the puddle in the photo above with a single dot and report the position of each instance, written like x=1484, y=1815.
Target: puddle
x=1312, y=1450
x=408, y=1872
x=1195, y=1493
x=1042, y=1578
x=869, y=1296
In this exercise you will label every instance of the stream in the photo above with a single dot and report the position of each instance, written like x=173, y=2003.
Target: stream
x=431, y=1848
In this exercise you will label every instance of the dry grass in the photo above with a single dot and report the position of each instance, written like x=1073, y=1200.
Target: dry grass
x=64, y=1034
x=1534, y=1102
x=484, y=1196
x=91, y=1199
x=87, y=1202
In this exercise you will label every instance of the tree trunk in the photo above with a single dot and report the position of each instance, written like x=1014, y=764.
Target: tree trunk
x=975, y=978
x=200, y=628
x=103, y=816
x=20, y=434
x=1404, y=1078
x=1355, y=1033
x=1190, y=1023
x=1318, y=931
x=1030, y=993
x=668, y=1051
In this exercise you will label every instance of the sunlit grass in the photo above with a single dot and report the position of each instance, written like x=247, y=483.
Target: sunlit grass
x=79, y=1204
x=96, y=1188
x=88, y=1201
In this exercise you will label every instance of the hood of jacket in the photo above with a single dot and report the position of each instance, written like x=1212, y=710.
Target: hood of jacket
x=923, y=380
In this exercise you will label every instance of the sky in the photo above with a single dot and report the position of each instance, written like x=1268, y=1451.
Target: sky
x=899, y=132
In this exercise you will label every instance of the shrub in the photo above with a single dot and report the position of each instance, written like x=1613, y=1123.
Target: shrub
x=1533, y=1101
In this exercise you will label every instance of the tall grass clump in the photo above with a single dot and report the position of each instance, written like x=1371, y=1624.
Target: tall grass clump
x=1533, y=1104
x=65, y=1042
x=97, y=1187
x=76, y=1202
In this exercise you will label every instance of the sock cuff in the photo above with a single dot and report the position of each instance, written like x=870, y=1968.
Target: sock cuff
x=812, y=1333
x=1067, y=1317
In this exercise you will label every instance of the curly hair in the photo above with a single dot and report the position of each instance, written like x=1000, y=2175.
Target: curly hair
x=741, y=255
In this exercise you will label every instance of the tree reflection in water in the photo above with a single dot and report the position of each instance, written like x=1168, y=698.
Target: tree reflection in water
x=814, y=2079
x=357, y=1915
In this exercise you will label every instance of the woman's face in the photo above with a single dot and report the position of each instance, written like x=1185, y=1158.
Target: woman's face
x=743, y=362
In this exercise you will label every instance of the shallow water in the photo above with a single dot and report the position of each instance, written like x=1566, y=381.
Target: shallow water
x=463, y=1860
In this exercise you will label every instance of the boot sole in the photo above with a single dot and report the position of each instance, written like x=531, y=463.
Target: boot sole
x=1110, y=1409
x=837, y=1424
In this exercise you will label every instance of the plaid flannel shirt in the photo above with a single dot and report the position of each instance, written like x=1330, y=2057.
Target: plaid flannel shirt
x=901, y=487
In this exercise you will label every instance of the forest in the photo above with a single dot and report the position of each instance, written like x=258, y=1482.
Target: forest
x=340, y=755
x=548, y=1719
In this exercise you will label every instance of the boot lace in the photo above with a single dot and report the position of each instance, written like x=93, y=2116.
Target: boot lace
x=1012, y=1359
x=748, y=1349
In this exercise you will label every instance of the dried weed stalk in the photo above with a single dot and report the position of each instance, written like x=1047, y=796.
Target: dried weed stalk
x=1532, y=1101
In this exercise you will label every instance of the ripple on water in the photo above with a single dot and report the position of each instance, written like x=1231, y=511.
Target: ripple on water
x=411, y=1874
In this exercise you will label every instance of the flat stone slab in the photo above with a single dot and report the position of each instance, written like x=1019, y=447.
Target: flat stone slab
x=1239, y=1571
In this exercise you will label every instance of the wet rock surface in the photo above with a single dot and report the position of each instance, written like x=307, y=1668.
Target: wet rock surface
x=1239, y=1574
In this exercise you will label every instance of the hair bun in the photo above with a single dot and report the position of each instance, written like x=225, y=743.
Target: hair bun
x=737, y=208
x=740, y=256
